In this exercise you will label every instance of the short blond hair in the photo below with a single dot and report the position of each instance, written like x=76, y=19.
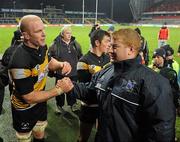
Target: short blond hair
x=65, y=28
x=129, y=37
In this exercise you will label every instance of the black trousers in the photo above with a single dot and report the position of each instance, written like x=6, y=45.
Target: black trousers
x=1, y=98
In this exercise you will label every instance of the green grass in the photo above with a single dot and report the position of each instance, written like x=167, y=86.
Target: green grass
x=81, y=34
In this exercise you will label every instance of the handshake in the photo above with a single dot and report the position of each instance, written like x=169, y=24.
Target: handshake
x=64, y=85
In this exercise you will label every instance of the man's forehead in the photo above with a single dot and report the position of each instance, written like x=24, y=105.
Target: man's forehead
x=36, y=22
x=68, y=31
x=106, y=37
x=117, y=41
x=35, y=26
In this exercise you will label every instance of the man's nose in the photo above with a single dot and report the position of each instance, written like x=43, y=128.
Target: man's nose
x=43, y=33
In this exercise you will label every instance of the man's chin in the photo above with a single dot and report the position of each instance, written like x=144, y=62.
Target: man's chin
x=43, y=44
x=114, y=61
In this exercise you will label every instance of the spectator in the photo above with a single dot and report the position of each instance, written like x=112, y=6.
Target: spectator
x=17, y=38
x=16, y=41
x=3, y=65
x=163, y=35
x=28, y=71
x=170, y=61
x=129, y=96
x=1, y=99
x=111, y=29
x=95, y=27
x=3, y=82
x=110, y=52
x=160, y=65
x=144, y=50
x=88, y=65
x=158, y=61
x=65, y=48
x=179, y=49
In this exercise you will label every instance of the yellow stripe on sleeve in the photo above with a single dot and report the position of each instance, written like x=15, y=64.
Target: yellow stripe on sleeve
x=20, y=73
x=82, y=66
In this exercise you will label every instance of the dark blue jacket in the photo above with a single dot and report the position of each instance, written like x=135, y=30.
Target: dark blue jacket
x=135, y=103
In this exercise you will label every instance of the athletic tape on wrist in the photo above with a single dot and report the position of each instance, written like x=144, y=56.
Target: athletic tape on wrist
x=59, y=91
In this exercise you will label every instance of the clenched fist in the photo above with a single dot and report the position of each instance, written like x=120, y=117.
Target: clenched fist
x=66, y=68
x=55, y=65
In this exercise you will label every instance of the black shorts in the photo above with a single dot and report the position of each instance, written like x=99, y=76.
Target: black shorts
x=88, y=114
x=25, y=120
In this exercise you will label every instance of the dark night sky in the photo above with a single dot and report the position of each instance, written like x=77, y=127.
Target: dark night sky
x=121, y=7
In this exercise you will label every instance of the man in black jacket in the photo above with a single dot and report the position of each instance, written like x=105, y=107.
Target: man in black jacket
x=3, y=82
x=135, y=103
x=65, y=48
x=144, y=50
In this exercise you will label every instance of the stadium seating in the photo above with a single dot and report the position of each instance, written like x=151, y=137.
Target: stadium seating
x=165, y=11
x=51, y=15
x=173, y=5
x=8, y=20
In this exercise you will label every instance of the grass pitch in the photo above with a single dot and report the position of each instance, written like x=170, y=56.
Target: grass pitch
x=61, y=129
x=81, y=34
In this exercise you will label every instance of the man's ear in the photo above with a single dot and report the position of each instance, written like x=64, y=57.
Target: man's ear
x=97, y=43
x=25, y=35
x=131, y=51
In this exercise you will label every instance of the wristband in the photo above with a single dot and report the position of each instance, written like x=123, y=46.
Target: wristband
x=59, y=91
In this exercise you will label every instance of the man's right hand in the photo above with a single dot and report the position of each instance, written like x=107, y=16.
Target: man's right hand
x=65, y=84
x=66, y=68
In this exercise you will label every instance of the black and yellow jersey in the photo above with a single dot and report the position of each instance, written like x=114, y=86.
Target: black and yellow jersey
x=89, y=64
x=28, y=71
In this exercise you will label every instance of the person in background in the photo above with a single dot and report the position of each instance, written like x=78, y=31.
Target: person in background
x=3, y=82
x=160, y=65
x=65, y=48
x=17, y=38
x=178, y=50
x=144, y=50
x=16, y=41
x=170, y=61
x=111, y=29
x=95, y=27
x=92, y=62
x=135, y=103
x=28, y=71
x=158, y=59
x=2, y=89
x=163, y=35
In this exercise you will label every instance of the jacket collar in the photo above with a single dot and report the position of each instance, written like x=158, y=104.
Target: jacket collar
x=126, y=65
x=33, y=50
